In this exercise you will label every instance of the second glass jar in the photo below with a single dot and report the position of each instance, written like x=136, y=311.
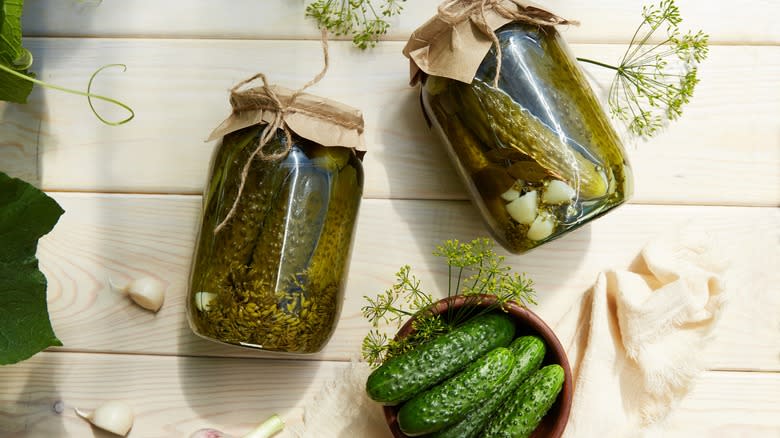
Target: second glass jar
x=273, y=277
x=537, y=153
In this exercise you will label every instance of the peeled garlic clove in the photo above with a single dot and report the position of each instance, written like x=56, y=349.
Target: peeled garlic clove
x=114, y=416
x=542, y=227
x=203, y=300
x=523, y=209
x=147, y=293
x=558, y=192
x=510, y=195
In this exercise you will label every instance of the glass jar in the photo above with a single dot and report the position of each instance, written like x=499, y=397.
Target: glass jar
x=538, y=154
x=273, y=277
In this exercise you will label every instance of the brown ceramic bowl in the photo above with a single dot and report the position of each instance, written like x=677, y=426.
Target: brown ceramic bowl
x=526, y=323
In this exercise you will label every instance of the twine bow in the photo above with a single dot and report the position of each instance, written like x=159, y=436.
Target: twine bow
x=274, y=104
x=455, y=12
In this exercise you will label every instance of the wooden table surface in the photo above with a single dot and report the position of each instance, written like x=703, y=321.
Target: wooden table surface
x=131, y=196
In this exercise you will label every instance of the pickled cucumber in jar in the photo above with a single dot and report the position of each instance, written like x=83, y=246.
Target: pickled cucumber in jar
x=273, y=277
x=537, y=152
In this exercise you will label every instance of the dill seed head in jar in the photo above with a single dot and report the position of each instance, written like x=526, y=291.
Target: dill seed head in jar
x=279, y=214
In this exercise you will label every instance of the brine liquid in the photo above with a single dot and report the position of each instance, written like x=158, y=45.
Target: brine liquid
x=541, y=124
x=273, y=277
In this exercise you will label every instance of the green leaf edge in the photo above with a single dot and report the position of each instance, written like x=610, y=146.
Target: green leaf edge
x=16, y=355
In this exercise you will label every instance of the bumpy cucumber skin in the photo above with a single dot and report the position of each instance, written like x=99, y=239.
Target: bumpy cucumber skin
x=402, y=377
x=453, y=399
x=529, y=352
x=523, y=412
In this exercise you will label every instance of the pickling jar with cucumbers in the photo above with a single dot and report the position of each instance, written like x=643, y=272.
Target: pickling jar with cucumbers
x=527, y=135
x=278, y=221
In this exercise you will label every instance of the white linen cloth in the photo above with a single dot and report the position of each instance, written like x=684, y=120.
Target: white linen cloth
x=342, y=408
x=635, y=339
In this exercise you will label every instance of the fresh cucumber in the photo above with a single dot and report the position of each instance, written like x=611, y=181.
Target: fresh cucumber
x=529, y=352
x=452, y=400
x=402, y=377
x=523, y=411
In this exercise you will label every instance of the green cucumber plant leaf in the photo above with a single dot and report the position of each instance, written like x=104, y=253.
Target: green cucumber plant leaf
x=16, y=81
x=26, y=214
x=12, y=54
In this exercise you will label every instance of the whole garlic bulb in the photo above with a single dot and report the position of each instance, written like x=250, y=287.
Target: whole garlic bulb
x=270, y=427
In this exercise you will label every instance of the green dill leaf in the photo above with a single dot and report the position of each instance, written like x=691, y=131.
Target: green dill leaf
x=474, y=269
x=654, y=81
x=26, y=214
x=361, y=20
x=374, y=348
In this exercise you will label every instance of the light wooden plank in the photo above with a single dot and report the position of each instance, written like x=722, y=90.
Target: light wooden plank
x=171, y=396
x=608, y=21
x=725, y=150
x=126, y=237
x=18, y=144
x=174, y=396
x=715, y=391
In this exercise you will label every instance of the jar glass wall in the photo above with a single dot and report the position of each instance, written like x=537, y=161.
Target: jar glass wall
x=273, y=277
x=538, y=153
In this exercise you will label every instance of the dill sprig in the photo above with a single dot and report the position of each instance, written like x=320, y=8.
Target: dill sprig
x=474, y=269
x=359, y=19
x=654, y=80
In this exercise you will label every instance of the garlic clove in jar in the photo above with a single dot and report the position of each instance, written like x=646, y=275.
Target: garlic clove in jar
x=510, y=195
x=542, y=227
x=114, y=416
x=558, y=192
x=203, y=300
x=523, y=209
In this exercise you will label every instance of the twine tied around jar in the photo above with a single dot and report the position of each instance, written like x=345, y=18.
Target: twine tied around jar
x=281, y=103
x=454, y=12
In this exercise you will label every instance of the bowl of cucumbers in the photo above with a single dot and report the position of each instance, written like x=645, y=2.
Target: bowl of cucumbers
x=500, y=373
